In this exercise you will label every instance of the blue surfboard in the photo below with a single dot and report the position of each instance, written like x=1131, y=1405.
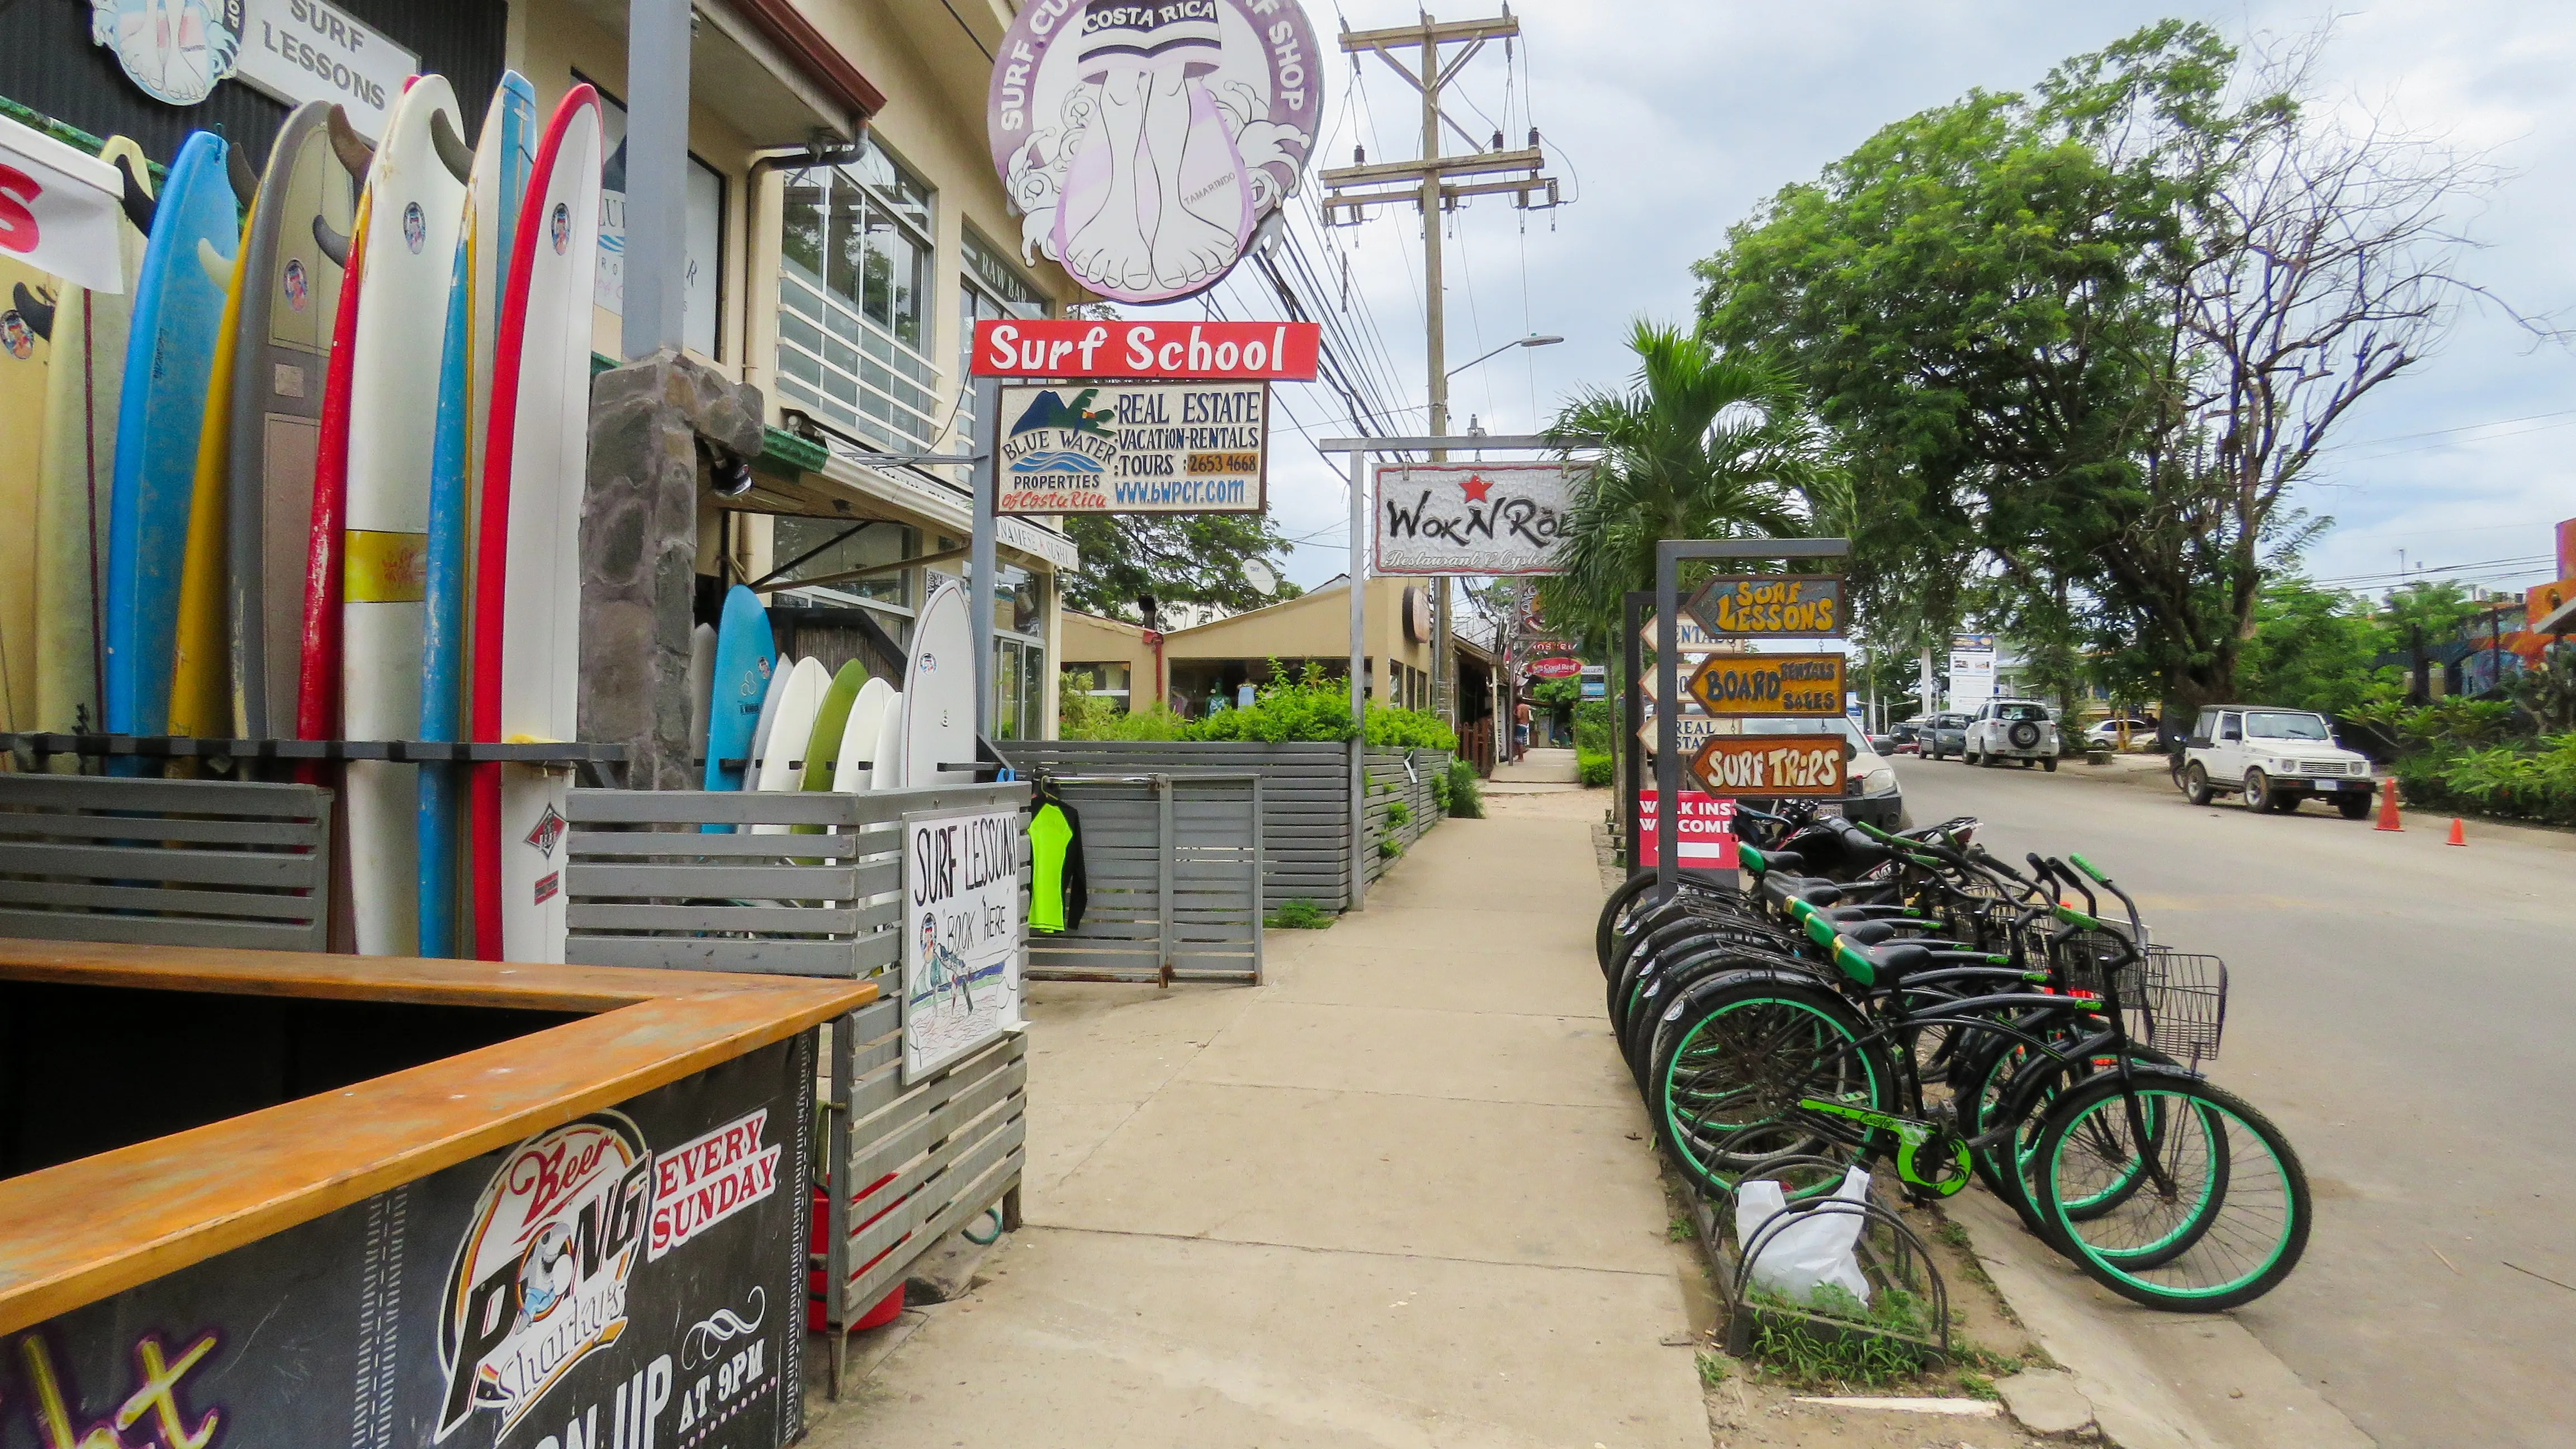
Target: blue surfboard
x=745, y=656
x=169, y=359
x=473, y=318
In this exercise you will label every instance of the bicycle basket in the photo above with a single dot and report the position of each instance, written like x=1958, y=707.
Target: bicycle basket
x=2184, y=1000
x=2086, y=960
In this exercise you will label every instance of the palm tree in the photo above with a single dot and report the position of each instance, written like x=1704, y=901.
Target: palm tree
x=1701, y=445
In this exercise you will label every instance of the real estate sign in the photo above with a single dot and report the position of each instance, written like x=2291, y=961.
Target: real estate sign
x=1135, y=447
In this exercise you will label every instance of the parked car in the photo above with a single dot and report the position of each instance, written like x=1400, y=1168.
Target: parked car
x=2012, y=729
x=2107, y=733
x=2272, y=759
x=1902, y=738
x=1870, y=789
x=1945, y=734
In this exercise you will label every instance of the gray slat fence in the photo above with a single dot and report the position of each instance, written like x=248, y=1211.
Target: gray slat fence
x=1173, y=865
x=165, y=862
x=1305, y=799
x=1305, y=793
x=908, y=1164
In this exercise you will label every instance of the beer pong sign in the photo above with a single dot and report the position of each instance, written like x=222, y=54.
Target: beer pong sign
x=1770, y=764
x=1074, y=347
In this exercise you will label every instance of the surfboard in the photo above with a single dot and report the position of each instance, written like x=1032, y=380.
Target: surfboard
x=851, y=771
x=282, y=339
x=170, y=351
x=527, y=580
x=743, y=672
x=416, y=204
x=760, y=731
x=77, y=484
x=702, y=680
x=887, y=753
x=201, y=660
x=317, y=680
x=27, y=295
x=782, y=766
x=823, y=745
x=939, y=689
x=494, y=186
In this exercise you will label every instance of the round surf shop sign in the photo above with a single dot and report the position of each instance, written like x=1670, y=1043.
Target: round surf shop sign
x=1144, y=142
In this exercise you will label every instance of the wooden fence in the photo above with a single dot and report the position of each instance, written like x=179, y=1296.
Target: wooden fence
x=1173, y=867
x=208, y=863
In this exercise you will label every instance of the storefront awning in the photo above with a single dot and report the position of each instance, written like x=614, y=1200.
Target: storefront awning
x=766, y=70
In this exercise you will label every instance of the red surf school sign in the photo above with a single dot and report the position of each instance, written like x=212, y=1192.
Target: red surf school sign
x=1278, y=351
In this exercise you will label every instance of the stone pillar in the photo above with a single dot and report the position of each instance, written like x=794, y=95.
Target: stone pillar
x=639, y=543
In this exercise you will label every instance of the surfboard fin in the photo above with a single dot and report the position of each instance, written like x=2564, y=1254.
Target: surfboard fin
x=38, y=312
x=453, y=153
x=135, y=198
x=333, y=245
x=218, y=267
x=245, y=181
x=352, y=149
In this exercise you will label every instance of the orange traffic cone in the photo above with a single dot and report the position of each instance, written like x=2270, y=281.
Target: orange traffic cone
x=2459, y=835
x=2388, y=806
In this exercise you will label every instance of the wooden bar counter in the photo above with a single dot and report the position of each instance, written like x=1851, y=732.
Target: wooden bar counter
x=365, y=1201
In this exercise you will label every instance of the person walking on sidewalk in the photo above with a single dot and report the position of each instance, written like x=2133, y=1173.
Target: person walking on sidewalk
x=1520, y=730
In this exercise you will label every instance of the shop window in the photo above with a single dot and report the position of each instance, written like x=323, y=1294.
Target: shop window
x=702, y=281
x=854, y=300
x=874, y=546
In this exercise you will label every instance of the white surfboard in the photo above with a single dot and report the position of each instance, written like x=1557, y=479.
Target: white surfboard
x=418, y=206
x=939, y=689
x=768, y=718
x=782, y=767
x=702, y=680
x=859, y=738
x=888, y=754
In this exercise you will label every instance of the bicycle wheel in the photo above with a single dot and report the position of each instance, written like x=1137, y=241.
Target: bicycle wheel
x=1606, y=933
x=2194, y=1201
x=1734, y=1056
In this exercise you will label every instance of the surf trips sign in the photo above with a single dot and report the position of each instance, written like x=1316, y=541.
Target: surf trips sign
x=1152, y=447
x=1144, y=143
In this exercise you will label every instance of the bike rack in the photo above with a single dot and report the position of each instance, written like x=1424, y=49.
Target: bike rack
x=1906, y=1261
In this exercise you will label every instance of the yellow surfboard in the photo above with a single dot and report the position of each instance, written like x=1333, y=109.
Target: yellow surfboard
x=78, y=478
x=201, y=681
x=24, y=359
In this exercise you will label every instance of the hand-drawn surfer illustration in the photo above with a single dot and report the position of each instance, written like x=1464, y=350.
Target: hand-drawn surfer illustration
x=1144, y=143
x=946, y=979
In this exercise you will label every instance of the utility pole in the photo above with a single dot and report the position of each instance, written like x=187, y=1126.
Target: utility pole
x=1428, y=184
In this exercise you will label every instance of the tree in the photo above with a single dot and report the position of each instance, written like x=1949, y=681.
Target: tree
x=1701, y=445
x=2420, y=618
x=2083, y=342
x=2313, y=648
x=1178, y=558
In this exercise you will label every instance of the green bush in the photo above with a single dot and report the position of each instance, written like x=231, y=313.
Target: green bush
x=1408, y=729
x=1398, y=814
x=1299, y=916
x=1594, y=766
x=1440, y=791
x=1388, y=848
x=2532, y=779
x=1306, y=706
x=1466, y=798
x=1086, y=716
x=1593, y=726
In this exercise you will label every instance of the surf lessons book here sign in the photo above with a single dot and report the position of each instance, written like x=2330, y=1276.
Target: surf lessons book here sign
x=961, y=933
x=1135, y=447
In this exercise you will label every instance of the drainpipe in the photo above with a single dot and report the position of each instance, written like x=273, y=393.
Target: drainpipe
x=816, y=154
x=1162, y=681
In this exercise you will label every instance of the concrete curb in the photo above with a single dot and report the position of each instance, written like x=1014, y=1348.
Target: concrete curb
x=2145, y=1380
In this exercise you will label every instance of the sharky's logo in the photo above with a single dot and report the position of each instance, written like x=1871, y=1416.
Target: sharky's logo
x=176, y=50
x=549, y=829
x=540, y=1279
x=415, y=227
x=560, y=227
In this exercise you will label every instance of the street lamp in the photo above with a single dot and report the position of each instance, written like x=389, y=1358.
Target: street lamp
x=1530, y=341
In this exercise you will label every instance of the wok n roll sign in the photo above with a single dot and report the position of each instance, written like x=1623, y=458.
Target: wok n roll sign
x=1471, y=518
x=1248, y=351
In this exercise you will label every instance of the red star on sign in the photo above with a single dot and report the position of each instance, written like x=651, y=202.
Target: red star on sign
x=1477, y=488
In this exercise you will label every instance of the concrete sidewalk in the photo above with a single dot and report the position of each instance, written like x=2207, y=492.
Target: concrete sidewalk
x=1403, y=1194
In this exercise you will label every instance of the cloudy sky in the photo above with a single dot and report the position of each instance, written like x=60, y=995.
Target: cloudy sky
x=1670, y=119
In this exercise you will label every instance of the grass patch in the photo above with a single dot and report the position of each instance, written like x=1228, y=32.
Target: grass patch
x=1466, y=791
x=1681, y=1229
x=1712, y=1369
x=1804, y=1357
x=1299, y=916
x=1977, y=1385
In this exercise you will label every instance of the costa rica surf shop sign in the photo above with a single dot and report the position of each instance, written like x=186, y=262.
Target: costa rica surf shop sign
x=1144, y=143
x=1471, y=519
x=1152, y=447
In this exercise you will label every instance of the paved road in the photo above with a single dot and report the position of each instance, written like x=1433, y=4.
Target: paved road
x=2404, y=1011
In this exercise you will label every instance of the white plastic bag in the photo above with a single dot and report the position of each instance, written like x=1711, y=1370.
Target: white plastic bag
x=1804, y=1254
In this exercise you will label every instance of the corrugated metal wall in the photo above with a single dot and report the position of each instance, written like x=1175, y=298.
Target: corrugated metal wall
x=48, y=64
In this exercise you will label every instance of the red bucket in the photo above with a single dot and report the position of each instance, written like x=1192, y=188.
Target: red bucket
x=817, y=1291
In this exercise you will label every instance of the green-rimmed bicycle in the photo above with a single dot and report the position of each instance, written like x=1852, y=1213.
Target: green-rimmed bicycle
x=2158, y=1184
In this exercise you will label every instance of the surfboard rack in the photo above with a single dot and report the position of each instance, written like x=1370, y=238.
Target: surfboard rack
x=424, y=752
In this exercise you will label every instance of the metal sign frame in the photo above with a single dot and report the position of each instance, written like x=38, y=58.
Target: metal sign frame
x=1669, y=555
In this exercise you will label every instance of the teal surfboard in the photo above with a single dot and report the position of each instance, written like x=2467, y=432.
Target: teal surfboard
x=169, y=359
x=745, y=656
x=500, y=178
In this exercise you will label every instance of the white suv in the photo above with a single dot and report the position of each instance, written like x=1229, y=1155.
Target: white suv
x=2011, y=729
x=2271, y=759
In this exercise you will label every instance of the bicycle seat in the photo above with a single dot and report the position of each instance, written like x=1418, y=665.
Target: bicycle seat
x=1873, y=964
